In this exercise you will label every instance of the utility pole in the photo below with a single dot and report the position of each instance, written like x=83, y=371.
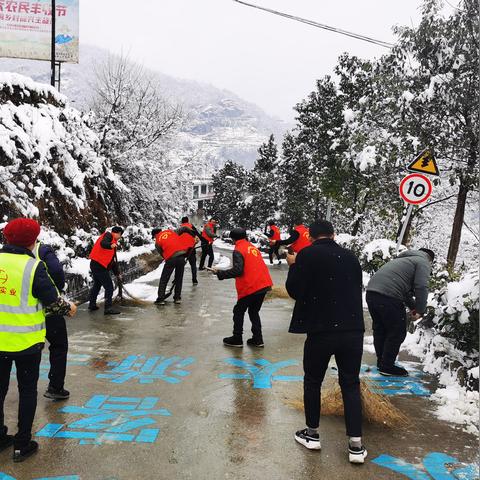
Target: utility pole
x=53, y=53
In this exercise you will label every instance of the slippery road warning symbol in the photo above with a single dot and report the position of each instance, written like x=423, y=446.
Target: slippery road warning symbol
x=425, y=163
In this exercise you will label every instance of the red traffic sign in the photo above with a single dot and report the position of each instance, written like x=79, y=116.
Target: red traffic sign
x=415, y=188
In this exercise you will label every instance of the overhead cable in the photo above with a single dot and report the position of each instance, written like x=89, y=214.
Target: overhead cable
x=358, y=36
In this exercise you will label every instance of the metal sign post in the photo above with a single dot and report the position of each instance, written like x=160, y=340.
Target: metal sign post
x=404, y=226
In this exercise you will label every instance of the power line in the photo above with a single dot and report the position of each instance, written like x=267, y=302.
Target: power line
x=319, y=25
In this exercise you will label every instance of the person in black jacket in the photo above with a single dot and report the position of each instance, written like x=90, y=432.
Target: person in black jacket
x=56, y=328
x=326, y=282
x=21, y=235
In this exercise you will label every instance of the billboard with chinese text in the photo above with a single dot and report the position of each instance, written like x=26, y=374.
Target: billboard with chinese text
x=26, y=26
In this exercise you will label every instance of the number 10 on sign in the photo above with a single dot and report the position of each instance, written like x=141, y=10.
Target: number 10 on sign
x=414, y=189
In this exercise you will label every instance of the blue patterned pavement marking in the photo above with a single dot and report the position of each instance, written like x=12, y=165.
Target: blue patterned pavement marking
x=436, y=466
x=261, y=371
x=148, y=369
x=4, y=476
x=73, y=359
x=110, y=419
x=411, y=385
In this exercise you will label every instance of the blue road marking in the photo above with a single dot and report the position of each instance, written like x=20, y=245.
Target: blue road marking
x=436, y=466
x=261, y=371
x=146, y=370
x=109, y=418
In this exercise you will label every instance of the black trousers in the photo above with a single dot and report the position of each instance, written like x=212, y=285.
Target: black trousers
x=252, y=304
x=58, y=346
x=207, y=250
x=273, y=250
x=28, y=367
x=347, y=347
x=192, y=260
x=389, y=320
x=176, y=264
x=101, y=278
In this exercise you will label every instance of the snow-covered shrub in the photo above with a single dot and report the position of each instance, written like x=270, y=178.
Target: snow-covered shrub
x=456, y=313
x=377, y=253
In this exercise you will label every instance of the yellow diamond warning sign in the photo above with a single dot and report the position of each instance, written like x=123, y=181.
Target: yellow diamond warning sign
x=425, y=163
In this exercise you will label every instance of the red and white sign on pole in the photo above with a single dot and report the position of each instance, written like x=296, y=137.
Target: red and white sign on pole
x=415, y=188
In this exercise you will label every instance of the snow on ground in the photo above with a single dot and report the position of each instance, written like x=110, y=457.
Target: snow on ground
x=454, y=403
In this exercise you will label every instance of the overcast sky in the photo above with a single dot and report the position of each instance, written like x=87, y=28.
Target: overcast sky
x=265, y=59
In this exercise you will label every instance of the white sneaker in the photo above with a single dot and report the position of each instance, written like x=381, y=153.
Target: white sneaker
x=312, y=442
x=357, y=454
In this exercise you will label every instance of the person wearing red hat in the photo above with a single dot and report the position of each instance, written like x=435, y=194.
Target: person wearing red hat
x=27, y=293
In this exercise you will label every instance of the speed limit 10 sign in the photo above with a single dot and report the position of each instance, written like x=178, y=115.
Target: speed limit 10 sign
x=415, y=188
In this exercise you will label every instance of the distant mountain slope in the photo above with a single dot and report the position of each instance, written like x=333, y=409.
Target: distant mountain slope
x=221, y=125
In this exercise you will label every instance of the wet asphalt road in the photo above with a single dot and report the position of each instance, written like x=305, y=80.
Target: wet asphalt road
x=196, y=424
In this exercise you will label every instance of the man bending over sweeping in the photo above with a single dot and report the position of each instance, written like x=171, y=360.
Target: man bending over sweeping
x=326, y=282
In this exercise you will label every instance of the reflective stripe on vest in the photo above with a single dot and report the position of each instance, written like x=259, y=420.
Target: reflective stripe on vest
x=22, y=319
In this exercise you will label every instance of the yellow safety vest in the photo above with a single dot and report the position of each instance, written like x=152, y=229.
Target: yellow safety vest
x=22, y=319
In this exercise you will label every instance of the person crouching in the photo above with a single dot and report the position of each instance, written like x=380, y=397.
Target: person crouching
x=253, y=281
x=173, y=248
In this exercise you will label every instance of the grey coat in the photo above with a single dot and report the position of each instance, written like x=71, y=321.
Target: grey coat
x=403, y=278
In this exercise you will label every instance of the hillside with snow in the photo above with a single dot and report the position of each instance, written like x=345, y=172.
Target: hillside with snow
x=49, y=165
x=220, y=125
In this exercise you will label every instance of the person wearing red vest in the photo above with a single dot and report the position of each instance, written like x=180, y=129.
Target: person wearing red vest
x=174, y=249
x=102, y=261
x=274, y=235
x=299, y=238
x=208, y=236
x=253, y=281
x=186, y=228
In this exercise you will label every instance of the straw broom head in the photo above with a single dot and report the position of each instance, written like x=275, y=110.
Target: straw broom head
x=376, y=408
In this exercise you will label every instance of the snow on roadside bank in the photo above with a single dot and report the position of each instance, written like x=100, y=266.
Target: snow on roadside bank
x=449, y=352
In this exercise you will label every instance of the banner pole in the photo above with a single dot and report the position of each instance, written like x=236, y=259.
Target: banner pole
x=53, y=53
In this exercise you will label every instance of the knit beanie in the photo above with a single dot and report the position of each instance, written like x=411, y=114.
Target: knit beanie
x=22, y=232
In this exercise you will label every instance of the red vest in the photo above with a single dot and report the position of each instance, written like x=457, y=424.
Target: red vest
x=276, y=233
x=170, y=243
x=303, y=240
x=187, y=239
x=204, y=233
x=101, y=255
x=255, y=275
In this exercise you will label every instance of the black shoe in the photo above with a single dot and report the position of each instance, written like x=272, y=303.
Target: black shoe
x=6, y=441
x=233, y=341
x=93, y=308
x=55, y=394
x=393, y=371
x=195, y=282
x=21, y=454
x=357, y=454
x=201, y=268
x=111, y=311
x=160, y=301
x=177, y=301
x=253, y=342
x=312, y=442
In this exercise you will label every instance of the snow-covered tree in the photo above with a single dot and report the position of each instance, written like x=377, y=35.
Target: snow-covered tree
x=228, y=203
